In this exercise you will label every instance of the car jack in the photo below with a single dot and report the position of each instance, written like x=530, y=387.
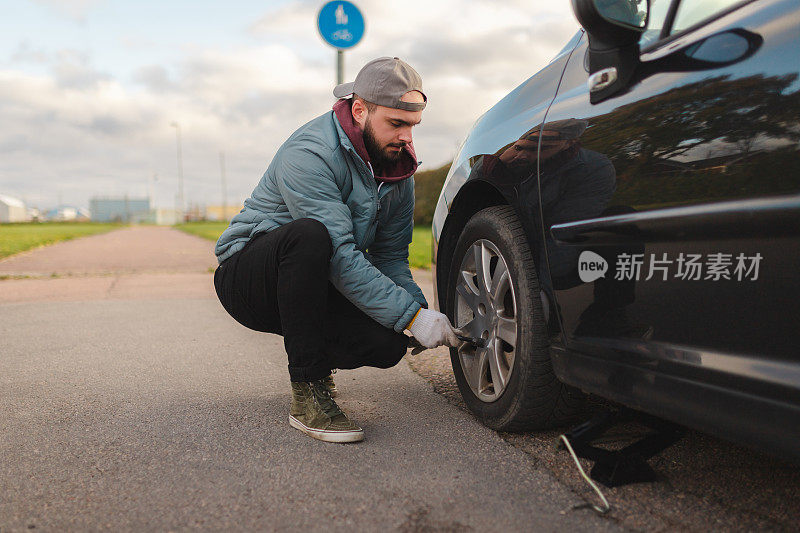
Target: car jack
x=629, y=464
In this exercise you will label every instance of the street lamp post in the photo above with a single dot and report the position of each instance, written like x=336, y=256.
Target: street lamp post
x=179, y=207
x=224, y=186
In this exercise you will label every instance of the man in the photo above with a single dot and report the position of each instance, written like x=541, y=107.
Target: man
x=319, y=253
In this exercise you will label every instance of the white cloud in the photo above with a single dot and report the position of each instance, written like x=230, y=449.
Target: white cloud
x=27, y=53
x=74, y=9
x=73, y=70
x=291, y=20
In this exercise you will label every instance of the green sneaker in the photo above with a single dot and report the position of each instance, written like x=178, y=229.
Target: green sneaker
x=328, y=381
x=314, y=412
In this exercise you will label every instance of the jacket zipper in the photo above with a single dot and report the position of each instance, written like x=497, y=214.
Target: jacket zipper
x=378, y=212
x=374, y=225
x=377, y=195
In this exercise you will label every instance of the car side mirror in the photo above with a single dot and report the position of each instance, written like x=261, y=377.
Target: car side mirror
x=614, y=28
x=717, y=50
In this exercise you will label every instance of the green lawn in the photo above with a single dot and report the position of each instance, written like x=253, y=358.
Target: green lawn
x=419, y=254
x=18, y=237
x=207, y=230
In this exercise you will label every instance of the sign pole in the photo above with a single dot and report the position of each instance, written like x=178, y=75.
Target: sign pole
x=339, y=67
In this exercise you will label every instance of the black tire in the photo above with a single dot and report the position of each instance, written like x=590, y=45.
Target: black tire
x=533, y=398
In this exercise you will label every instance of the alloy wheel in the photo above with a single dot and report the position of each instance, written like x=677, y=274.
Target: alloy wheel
x=486, y=308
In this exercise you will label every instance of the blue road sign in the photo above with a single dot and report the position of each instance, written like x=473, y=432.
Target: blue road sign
x=341, y=24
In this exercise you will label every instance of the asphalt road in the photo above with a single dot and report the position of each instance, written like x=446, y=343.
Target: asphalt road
x=129, y=400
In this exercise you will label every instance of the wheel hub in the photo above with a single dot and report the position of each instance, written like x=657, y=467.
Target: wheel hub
x=486, y=309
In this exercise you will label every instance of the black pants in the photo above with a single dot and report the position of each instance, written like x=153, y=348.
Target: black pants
x=278, y=283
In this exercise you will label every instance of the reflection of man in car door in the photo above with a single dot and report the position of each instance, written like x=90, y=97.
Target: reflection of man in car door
x=574, y=184
x=577, y=184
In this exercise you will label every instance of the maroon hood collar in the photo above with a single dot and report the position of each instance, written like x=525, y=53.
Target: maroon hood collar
x=401, y=170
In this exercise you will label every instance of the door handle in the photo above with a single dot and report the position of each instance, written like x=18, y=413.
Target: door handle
x=602, y=79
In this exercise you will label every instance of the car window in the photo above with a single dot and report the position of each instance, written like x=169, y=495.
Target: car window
x=690, y=12
x=655, y=22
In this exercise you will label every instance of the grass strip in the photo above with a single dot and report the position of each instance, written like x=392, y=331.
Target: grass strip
x=18, y=237
x=207, y=230
x=419, y=253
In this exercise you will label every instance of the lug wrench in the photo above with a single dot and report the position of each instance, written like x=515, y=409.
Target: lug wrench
x=475, y=341
x=418, y=348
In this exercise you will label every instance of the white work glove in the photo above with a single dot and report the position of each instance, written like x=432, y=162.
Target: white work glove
x=432, y=329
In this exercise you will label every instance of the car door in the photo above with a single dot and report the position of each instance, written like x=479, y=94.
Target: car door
x=670, y=213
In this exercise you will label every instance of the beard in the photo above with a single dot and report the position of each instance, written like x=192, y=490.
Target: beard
x=380, y=156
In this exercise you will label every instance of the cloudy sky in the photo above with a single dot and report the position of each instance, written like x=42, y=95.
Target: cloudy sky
x=89, y=88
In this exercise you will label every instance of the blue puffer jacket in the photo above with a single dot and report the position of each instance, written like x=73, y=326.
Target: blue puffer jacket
x=318, y=174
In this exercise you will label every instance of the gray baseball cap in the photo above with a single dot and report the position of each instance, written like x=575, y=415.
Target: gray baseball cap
x=384, y=81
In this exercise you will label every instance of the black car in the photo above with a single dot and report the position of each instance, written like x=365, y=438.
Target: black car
x=627, y=223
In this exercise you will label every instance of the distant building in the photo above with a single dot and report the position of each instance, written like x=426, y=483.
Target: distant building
x=194, y=212
x=66, y=213
x=117, y=209
x=12, y=210
x=166, y=217
x=216, y=212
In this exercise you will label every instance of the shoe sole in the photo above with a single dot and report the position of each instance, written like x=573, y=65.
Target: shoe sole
x=327, y=435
